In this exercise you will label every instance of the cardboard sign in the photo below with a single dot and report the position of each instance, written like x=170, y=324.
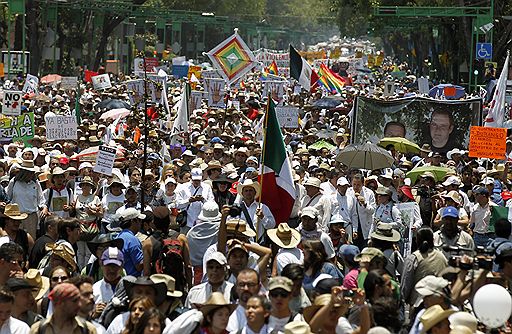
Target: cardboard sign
x=17, y=128
x=135, y=90
x=195, y=100
x=69, y=83
x=11, y=105
x=276, y=91
x=138, y=65
x=487, y=142
x=31, y=84
x=101, y=82
x=216, y=93
x=288, y=117
x=105, y=160
x=61, y=127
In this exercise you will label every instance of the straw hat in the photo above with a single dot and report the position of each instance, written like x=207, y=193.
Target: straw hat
x=284, y=236
x=170, y=282
x=454, y=196
x=214, y=164
x=297, y=327
x=385, y=232
x=64, y=252
x=215, y=301
x=249, y=183
x=28, y=165
x=13, y=211
x=320, y=301
x=34, y=277
x=239, y=226
x=434, y=315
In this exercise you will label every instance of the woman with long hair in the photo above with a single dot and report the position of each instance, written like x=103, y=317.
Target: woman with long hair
x=423, y=262
x=216, y=312
x=57, y=275
x=137, y=308
x=151, y=322
x=316, y=263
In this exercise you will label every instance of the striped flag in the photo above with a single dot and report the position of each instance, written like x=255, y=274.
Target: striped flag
x=301, y=71
x=330, y=80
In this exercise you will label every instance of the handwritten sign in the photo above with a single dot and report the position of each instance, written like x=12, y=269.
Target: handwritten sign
x=17, y=128
x=61, y=127
x=69, y=83
x=105, y=160
x=487, y=142
x=12, y=103
x=288, y=117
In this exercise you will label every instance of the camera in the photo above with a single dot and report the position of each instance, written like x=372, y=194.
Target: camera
x=234, y=210
x=348, y=293
x=481, y=258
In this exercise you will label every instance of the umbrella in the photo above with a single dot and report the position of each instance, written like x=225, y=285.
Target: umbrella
x=449, y=91
x=115, y=113
x=439, y=172
x=322, y=144
x=50, y=78
x=112, y=104
x=324, y=133
x=89, y=154
x=329, y=102
x=366, y=156
x=401, y=144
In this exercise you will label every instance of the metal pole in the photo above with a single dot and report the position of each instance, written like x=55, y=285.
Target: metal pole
x=471, y=51
x=8, y=43
x=23, y=32
x=144, y=158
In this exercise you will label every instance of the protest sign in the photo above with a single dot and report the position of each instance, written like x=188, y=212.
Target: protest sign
x=423, y=85
x=11, y=105
x=61, y=127
x=275, y=89
x=288, y=117
x=17, y=128
x=407, y=214
x=389, y=88
x=282, y=59
x=138, y=65
x=215, y=88
x=31, y=84
x=101, y=82
x=69, y=83
x=487, y=142
x=195, y=100
x=135, y=90
x=105, y=160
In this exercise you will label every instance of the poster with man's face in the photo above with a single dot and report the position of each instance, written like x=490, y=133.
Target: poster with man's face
x=443, y=124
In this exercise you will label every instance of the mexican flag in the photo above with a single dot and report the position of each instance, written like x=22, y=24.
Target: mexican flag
x=497, y=213
x=278, y=189
x=301, y=71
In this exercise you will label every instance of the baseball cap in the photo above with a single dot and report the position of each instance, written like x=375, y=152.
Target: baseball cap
x=368, y=253
x=342, y=181
x=217, y=256
x=131, y=213
x=481, y=191
x=450, y=211
x=280, y=282
x=84, y=165
x=348, y=251
x=431, y=285
x=197, y=174
x=112, y=255
x=452, y=180
x=487, y=180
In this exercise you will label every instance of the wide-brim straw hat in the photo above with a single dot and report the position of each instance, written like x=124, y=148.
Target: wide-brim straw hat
x=239, y=226
x=284, y=236
x=249, y=183
x=42, y=283
x=215, y=301
x=13, y=211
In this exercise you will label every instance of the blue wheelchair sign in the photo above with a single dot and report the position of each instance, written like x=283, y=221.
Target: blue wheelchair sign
x=483, y=50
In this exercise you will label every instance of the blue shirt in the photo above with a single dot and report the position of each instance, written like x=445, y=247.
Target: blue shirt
x=132, y=251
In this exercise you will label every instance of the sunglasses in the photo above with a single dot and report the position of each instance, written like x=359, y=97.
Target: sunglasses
x=282, y=294
x=59, y=278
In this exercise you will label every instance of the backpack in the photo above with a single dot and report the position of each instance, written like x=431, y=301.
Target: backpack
x=169, y=261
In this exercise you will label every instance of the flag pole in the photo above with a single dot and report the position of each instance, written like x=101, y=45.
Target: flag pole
x=262, y=167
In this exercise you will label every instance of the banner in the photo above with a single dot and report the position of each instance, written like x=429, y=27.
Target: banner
x=282, y=59
x=101, y=82
x=487, y=142
x=17, y=128
x=288, y=117
x=11, y=105
x=105, y=160
x=216, y=92
x=443, y=124
x=31, y=84
x=69, y=83
x=61, y=127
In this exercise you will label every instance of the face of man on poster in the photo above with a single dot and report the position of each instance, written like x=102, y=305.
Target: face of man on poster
x=441, y=126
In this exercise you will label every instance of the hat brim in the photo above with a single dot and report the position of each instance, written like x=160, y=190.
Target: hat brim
x=160, y=288
x=30, y=169
x=294, y=240
x=394, y=238
x=41, y=291
x=205, y=309
x=93, y=246
x=20, y=217
x=209, y=219
x=310, y=311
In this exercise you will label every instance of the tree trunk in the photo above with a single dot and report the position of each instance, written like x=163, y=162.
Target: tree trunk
x=34, y=45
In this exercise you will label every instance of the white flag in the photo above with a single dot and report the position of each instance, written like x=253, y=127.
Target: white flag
x=497, y=106
x=180, y=125
x=164, y=153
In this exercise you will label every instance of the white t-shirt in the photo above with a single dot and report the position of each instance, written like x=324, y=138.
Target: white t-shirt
x=14, y=326
x=288, y=255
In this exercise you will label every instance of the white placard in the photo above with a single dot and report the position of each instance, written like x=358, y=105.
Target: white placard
x=236, y=104
x=288, y=117
x=11, y=105
x=31, y=84
x=135, y=90
x=276, y=90
x=101, y=81
x=407, y=213
x=389, y=88
x=216, y=92
x=423, y=85
x=69, y=82
x=61, y=127
x=195, y=100
x=105, y=160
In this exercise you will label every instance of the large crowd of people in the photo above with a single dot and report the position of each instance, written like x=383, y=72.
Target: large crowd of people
x=177, y=241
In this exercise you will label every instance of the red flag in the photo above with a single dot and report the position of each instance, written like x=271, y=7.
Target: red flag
x=89, y=75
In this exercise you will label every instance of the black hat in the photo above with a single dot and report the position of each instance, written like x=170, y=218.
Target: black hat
x=160, y=288
x=222, y=179
x=107, y=240
x=325, y=285
x=15, y=284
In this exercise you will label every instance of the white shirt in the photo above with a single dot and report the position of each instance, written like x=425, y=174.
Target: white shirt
x=58, y=200
x=300, y=192
x=345, y=206
x=237, y=320
x=288, y=255
x=187, y=190
x=266, y=223
x=481, y=217
x=263, y=330
x=199, y=294
x=119, y=323
x=110, y=205
x=102, y=291
x=14, y=326
x=328, y=188
x=28, y=196
x=364, y=214
x=323, y=204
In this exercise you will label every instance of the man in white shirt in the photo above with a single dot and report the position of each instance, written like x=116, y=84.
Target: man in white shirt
x=315, y=198
x=344, y=204
x=365, y=209
x=216, y=269
x=191, y=196
x=258, y=216
x=112, y=262
x=329, y=187
x=247, y=286
x=481, y=217
x=9, y=324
